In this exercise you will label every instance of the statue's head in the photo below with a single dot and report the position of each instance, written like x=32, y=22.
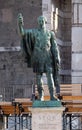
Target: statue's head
x=42, y=21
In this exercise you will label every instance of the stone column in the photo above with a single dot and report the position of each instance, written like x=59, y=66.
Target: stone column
x=77, y=47
x=47, y=118
x=77, y=41
x=47, y=12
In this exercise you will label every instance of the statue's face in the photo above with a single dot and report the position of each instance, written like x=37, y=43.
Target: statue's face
x=41, y=22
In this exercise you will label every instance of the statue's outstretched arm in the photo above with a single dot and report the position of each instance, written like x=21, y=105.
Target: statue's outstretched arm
x=21, y=24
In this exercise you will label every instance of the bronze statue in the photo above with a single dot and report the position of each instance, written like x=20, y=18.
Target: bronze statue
x=41, y=52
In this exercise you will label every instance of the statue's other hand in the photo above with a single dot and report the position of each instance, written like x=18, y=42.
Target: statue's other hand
x=57, y=61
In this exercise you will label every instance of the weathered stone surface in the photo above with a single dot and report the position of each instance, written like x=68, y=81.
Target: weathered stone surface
x=15, y=78
x=77, y=43
x=8, y=19
x=47, y=118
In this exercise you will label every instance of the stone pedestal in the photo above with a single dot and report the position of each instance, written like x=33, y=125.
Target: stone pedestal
x=47, y=118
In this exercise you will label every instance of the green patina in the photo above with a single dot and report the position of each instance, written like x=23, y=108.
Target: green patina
x=40, y=104
x=41, y=52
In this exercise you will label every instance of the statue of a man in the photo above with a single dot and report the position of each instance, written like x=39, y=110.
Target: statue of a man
x=41, y=52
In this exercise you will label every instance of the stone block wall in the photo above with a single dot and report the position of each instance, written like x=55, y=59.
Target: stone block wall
x=15, y=77
x=9, y=11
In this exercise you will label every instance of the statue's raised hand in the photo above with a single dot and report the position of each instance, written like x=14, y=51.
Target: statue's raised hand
x=20, y=24
x=20, y=19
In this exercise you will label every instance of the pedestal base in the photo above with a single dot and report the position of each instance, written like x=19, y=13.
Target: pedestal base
x=47, y=118
x=43, y=104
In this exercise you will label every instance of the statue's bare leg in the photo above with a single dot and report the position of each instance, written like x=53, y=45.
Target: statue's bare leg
x=51, y=86
x=57, y=86
x=39, y=83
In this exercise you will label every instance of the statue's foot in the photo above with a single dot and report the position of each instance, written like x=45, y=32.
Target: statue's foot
x=41, y=99
x=54, y=98
x=59, y=96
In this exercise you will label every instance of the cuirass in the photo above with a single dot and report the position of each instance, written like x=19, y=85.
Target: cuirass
x=42, y=41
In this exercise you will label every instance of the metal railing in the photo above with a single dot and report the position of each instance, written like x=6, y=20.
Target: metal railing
x=10, y=93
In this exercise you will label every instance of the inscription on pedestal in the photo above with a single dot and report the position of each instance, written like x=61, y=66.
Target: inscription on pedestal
x=46, y=127
x=46, y=120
